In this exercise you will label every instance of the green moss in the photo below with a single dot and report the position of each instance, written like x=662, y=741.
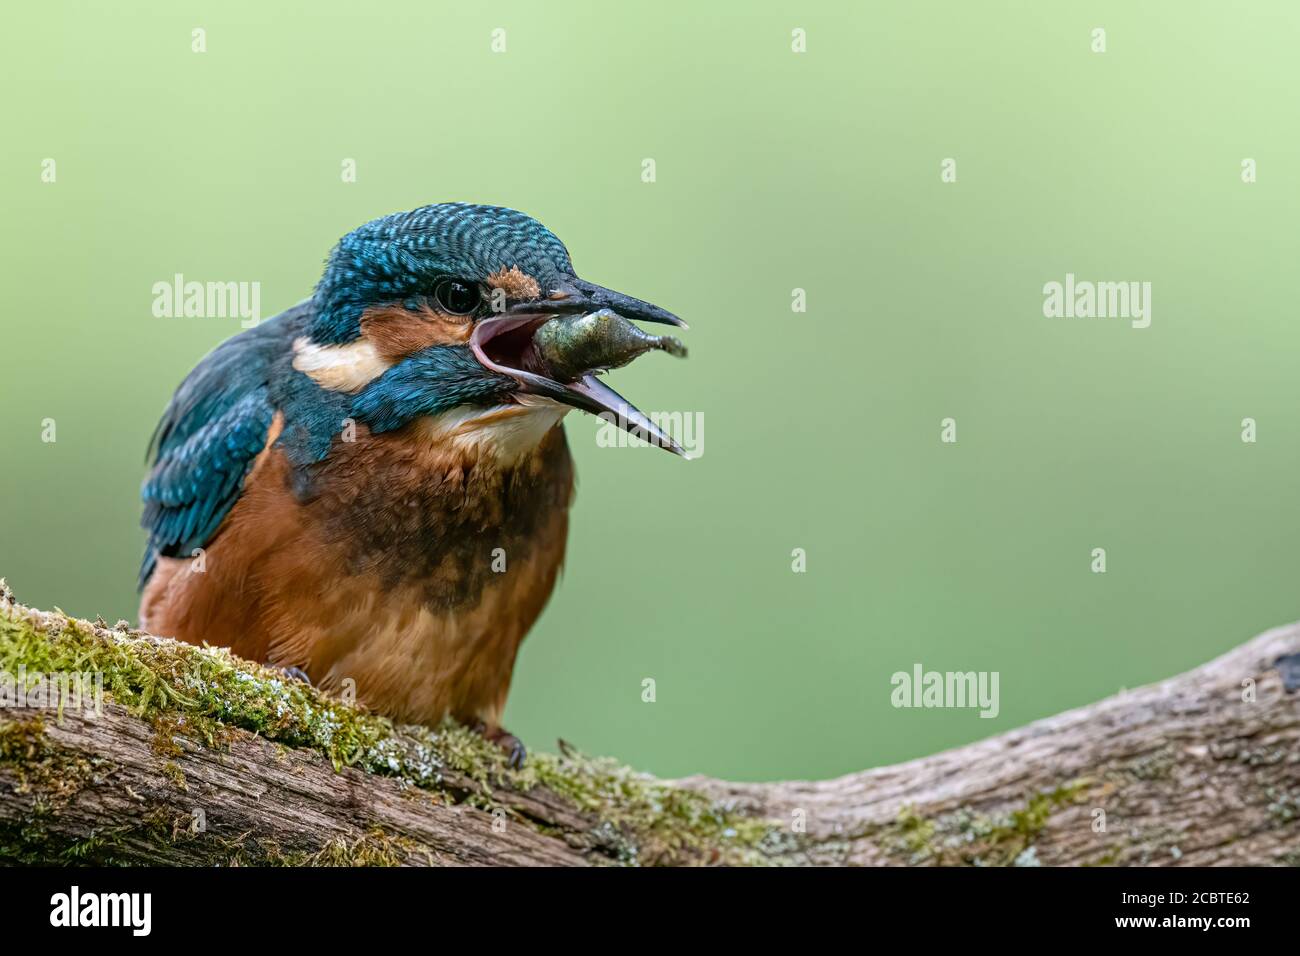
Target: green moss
x=200, y=694
x=376, y=848
x=173, y=772
x=51, y=776
x=914, y=831
x=21, y=741
x=1109, y=858
x=975, y=839
x=54, y=774
x=647, y=821
x=154, y=836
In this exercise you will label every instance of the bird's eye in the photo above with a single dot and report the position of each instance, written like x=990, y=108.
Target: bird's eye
x=456, y=297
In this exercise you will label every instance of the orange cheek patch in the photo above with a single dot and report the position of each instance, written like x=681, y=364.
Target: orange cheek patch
x=396, y=332
x=515, y=283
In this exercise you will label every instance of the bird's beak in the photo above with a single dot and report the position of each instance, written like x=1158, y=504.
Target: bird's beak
x=575, y=295
x=506, y=344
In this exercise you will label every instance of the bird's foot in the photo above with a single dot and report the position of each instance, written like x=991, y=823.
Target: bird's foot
x=516, y=753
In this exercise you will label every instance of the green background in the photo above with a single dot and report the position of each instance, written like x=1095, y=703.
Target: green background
x=775, y=170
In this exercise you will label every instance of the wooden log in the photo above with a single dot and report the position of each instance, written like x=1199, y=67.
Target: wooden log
x=198, y=758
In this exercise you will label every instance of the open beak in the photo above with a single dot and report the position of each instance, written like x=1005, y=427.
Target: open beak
x=507, y=345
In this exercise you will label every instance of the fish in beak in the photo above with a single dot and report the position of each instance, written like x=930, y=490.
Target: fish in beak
x=557, y=346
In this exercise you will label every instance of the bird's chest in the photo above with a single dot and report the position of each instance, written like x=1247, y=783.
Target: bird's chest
x=420, y=651
x=421, y=510
x=448, y=559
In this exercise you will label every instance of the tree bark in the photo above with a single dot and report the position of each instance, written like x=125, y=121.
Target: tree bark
x=1203, y=768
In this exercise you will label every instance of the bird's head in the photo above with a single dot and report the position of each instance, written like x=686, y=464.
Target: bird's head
x=473, y=310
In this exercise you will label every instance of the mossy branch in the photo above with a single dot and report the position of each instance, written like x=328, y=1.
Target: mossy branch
x=200, y=758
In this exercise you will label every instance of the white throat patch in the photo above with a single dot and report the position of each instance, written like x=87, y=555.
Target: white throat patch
x=339, y=368
x=504, y=433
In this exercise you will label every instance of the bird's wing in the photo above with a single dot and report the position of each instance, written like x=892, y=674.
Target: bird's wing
x=208, y=438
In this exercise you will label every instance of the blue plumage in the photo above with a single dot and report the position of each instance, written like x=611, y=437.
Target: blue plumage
x=434, y=380
x=209, y=435
x=400, y=256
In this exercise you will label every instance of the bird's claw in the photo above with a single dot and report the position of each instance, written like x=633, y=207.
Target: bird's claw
x=514, y=748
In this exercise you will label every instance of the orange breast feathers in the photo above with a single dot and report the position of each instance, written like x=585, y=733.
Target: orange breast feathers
x=410, y=563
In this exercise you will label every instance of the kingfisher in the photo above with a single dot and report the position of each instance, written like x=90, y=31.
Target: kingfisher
x=374, y=485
